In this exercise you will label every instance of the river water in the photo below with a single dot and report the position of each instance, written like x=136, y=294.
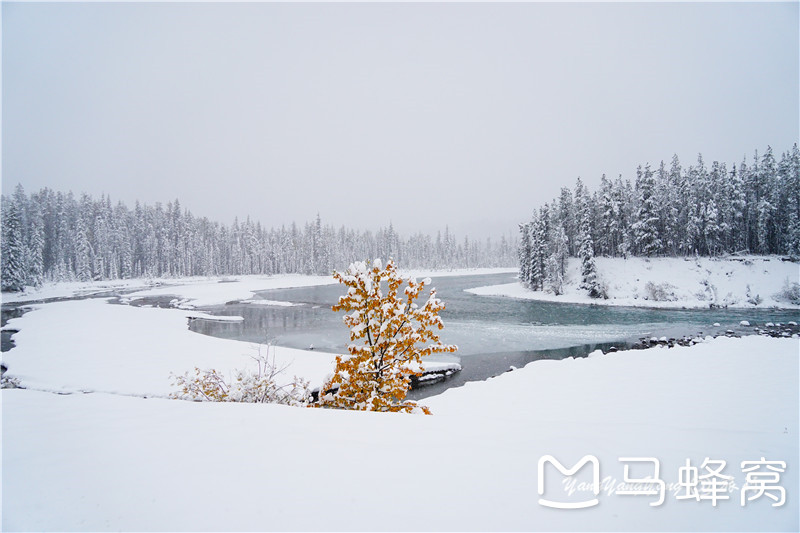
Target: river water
x=493, y=333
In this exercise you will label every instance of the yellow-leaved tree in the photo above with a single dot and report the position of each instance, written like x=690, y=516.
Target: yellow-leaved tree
x=395, y=333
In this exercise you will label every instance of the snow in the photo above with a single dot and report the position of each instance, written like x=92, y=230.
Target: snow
x=234, y=289
x=91, y=345
x=101, y=456
x=275, y=303
x=217, y=318
x=108, y=462
x=68, y=289
x=94, y=346
x=204, y=291
x=690, y=283
x=433, y=273
x=200, y=290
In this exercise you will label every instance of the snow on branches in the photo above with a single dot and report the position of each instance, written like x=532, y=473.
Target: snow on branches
x=376, y=374
x=261, y=386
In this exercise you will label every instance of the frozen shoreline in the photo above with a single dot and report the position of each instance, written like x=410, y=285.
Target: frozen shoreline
x=108, y=462
x=206, y=291
x=672, y=283
x=110, y=452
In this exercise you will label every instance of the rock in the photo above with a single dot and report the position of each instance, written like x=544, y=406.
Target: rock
x=716, y=324
x=744, y=323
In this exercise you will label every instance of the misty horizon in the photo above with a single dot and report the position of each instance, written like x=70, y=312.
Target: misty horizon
x=419, y=115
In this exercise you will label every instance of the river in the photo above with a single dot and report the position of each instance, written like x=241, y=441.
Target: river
x=493, y=333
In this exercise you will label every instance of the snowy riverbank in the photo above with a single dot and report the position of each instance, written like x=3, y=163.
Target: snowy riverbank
x=93, y=346
x=107, y=462
x=110, y=452
x=741, y=282
x=203, y=291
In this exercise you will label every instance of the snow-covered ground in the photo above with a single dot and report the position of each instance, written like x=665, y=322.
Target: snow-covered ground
x=94, y=346
x=204, y=291
x=108, y=462
x=111, y=459
x=217, y=292
x=673, y=282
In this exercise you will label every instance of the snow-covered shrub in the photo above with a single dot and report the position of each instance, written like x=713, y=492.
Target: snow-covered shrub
x=602, y=288
x=376, y=374
x=554, y=282
x=663, y=292
x=708, y=292
x=790, y=292
x=8, y=382
x=260, y=386
x=751, y=299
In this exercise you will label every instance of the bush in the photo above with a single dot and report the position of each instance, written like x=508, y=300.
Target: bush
x=789, y=293
x=376, y=374
x=261, y=386
x=753, y=300
x=663, y=292
x=709, y=291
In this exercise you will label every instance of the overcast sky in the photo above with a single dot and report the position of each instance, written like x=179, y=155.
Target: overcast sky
x=421, y=114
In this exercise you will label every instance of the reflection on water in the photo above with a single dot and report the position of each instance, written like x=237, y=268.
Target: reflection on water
x=493, y=333
x=477, y=324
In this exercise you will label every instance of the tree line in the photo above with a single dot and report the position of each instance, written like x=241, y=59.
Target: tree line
x=752, y=207
x=54, y=236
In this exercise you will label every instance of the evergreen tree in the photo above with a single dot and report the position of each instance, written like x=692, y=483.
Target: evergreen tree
x=14, y=269
x=525, y=254
x=35, y=249
x=558, y=254
x=538, y=257
x=792, y=194
x=645, y=227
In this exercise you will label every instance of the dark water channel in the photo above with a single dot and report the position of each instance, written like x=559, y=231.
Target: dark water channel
x=493, y=333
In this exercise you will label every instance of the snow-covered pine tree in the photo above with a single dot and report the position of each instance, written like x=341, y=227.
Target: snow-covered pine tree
x=586, y=251
x=663, y=205
x=623, y=193
x=645, y=227
x=713, y=209
x=35, y=248
x=14, y=269
x=538, y=249
x=792, y=193
x=525, y=254
x=566, y=214
x=83, y=253
x=605, y=244
x=678, y=207
x=557, y=257
x=766, y=205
